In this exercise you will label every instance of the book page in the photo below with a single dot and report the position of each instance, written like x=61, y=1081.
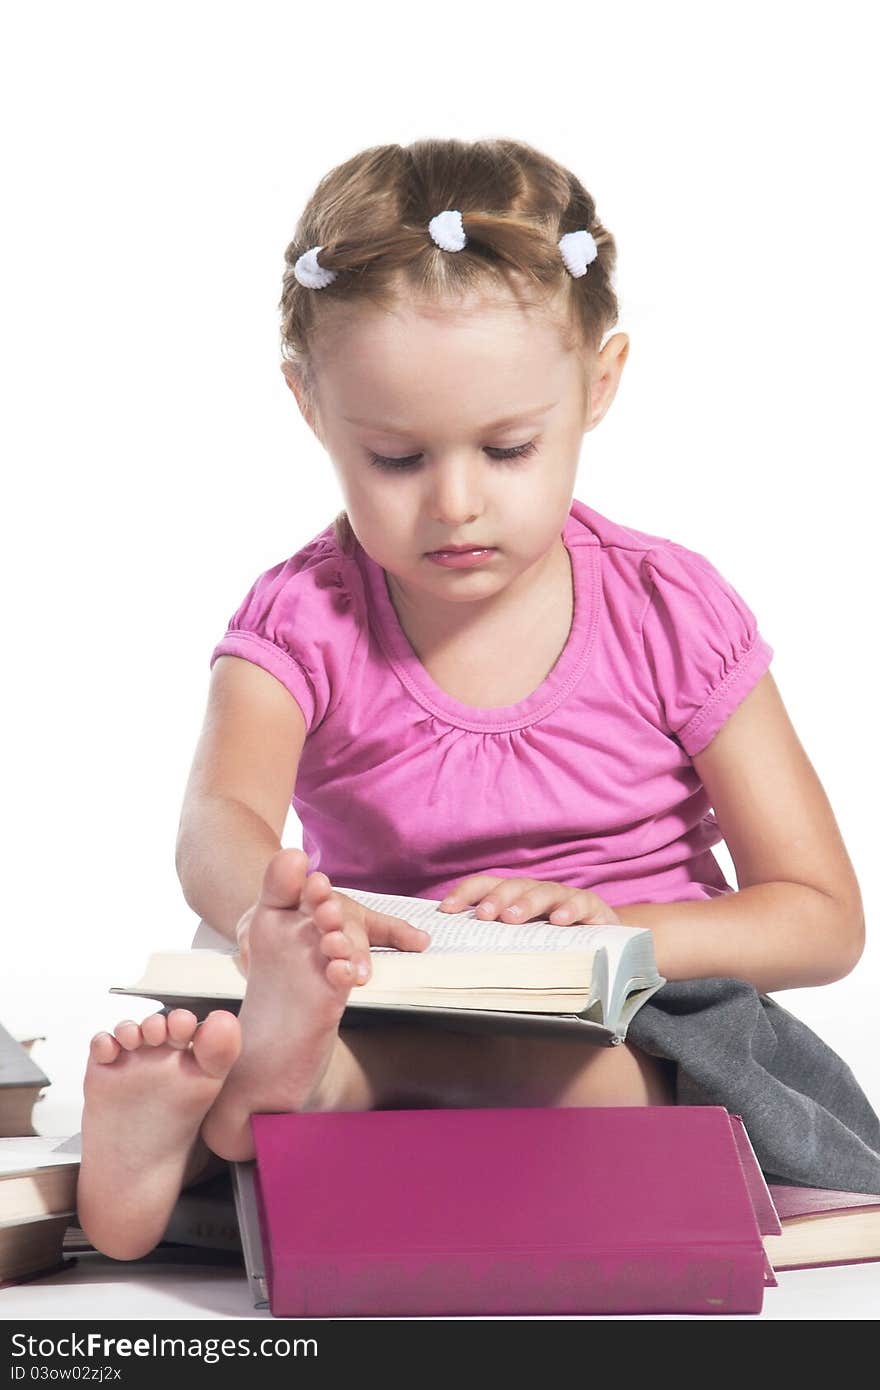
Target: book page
x=463, y=932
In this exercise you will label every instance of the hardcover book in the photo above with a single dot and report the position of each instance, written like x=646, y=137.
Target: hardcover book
x=821, y=1226
x=517, y=1211
x=21, y=1084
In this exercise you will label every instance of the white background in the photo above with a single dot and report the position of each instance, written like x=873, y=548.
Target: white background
x=155, y=161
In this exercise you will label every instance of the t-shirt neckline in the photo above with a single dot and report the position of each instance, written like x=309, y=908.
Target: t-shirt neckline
x=583, y=550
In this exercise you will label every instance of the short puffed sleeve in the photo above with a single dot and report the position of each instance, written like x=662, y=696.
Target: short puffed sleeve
x=295, y=621
x=701, y=642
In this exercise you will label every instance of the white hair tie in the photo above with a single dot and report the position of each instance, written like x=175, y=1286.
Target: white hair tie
x=310, y=274
x=447, y=231
x=578, y=249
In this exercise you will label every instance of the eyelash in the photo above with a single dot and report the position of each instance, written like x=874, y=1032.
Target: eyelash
x=407, y=465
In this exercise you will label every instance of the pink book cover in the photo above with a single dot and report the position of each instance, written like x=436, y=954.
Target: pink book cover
x=765, y=1211
x=511, y=1212
x=820, y=1201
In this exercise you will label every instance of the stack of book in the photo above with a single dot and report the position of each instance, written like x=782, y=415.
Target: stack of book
x=609, y=1190
x=37, y=1184
x=630, y=1209
x=38, y=1176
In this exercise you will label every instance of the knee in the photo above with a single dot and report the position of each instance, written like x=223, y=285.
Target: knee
x=622, y=1075
x=653, y=1078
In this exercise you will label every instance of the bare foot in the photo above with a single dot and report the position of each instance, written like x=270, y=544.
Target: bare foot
x=291, y=1057
x=146, y=1093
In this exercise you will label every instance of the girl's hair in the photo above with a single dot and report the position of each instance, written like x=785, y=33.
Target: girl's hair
x=370, y=217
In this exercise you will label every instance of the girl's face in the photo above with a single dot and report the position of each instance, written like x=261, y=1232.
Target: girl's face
x=456, y=426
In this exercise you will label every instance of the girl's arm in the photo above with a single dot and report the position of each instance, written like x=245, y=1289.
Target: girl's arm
x=239, y=790
x=798, y=917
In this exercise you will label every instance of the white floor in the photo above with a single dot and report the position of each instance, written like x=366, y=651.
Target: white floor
x=150, y=1291
x=69, y=1012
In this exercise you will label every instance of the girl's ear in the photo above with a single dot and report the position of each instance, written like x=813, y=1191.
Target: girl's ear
x=606, y=374
x=298, y=385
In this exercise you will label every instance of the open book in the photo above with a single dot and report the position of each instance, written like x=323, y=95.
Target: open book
x=474, y=976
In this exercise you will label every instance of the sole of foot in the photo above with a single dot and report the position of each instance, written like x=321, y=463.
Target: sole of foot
x=147, y=1088
x=299, y=978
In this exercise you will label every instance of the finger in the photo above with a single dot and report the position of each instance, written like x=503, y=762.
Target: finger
x=520, y=899
x=386, y=930
x=581, y=907
x=469, y=891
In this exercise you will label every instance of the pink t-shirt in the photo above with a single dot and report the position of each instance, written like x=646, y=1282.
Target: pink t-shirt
x=588, y=781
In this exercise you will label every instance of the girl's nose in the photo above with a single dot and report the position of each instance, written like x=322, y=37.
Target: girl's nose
x=456, y=498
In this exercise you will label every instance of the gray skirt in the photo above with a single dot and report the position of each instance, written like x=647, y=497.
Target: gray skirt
x=808, y=1119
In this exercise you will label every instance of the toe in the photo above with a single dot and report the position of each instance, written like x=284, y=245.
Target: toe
x=284, y=879
x=182, y=1024
x=154, y=1030
x=217, y=1042
x=340, y=974
x=335, y=945
x=104, y=1048
x=318, y=889
x=327, y=915
x=128, y=1034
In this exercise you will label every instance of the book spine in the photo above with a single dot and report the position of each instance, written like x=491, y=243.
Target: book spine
x=698, y=1279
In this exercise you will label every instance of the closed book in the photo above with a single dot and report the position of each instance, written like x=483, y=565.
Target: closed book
x=33, y=1245
x=821, y=1226
x=244, y=1193
x=38, y=1175
x=513, y=1212
x=204, y=1216
x=21, y=1082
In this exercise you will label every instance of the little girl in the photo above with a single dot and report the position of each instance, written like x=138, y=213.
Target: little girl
x=473, y=687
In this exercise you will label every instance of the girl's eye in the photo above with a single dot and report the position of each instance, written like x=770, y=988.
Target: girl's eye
x=411, y=462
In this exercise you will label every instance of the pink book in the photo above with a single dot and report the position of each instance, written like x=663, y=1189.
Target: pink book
x=517, y=1212
x=822, y=1226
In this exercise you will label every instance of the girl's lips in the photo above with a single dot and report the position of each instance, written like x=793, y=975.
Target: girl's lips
x=461, y=559
x=459, y=549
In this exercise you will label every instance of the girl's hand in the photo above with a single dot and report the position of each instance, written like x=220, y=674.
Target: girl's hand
x=363, y=926
x=521, y=899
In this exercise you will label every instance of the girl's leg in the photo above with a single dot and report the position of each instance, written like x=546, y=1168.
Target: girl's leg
x=404, y=1066
x=570, y=1072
